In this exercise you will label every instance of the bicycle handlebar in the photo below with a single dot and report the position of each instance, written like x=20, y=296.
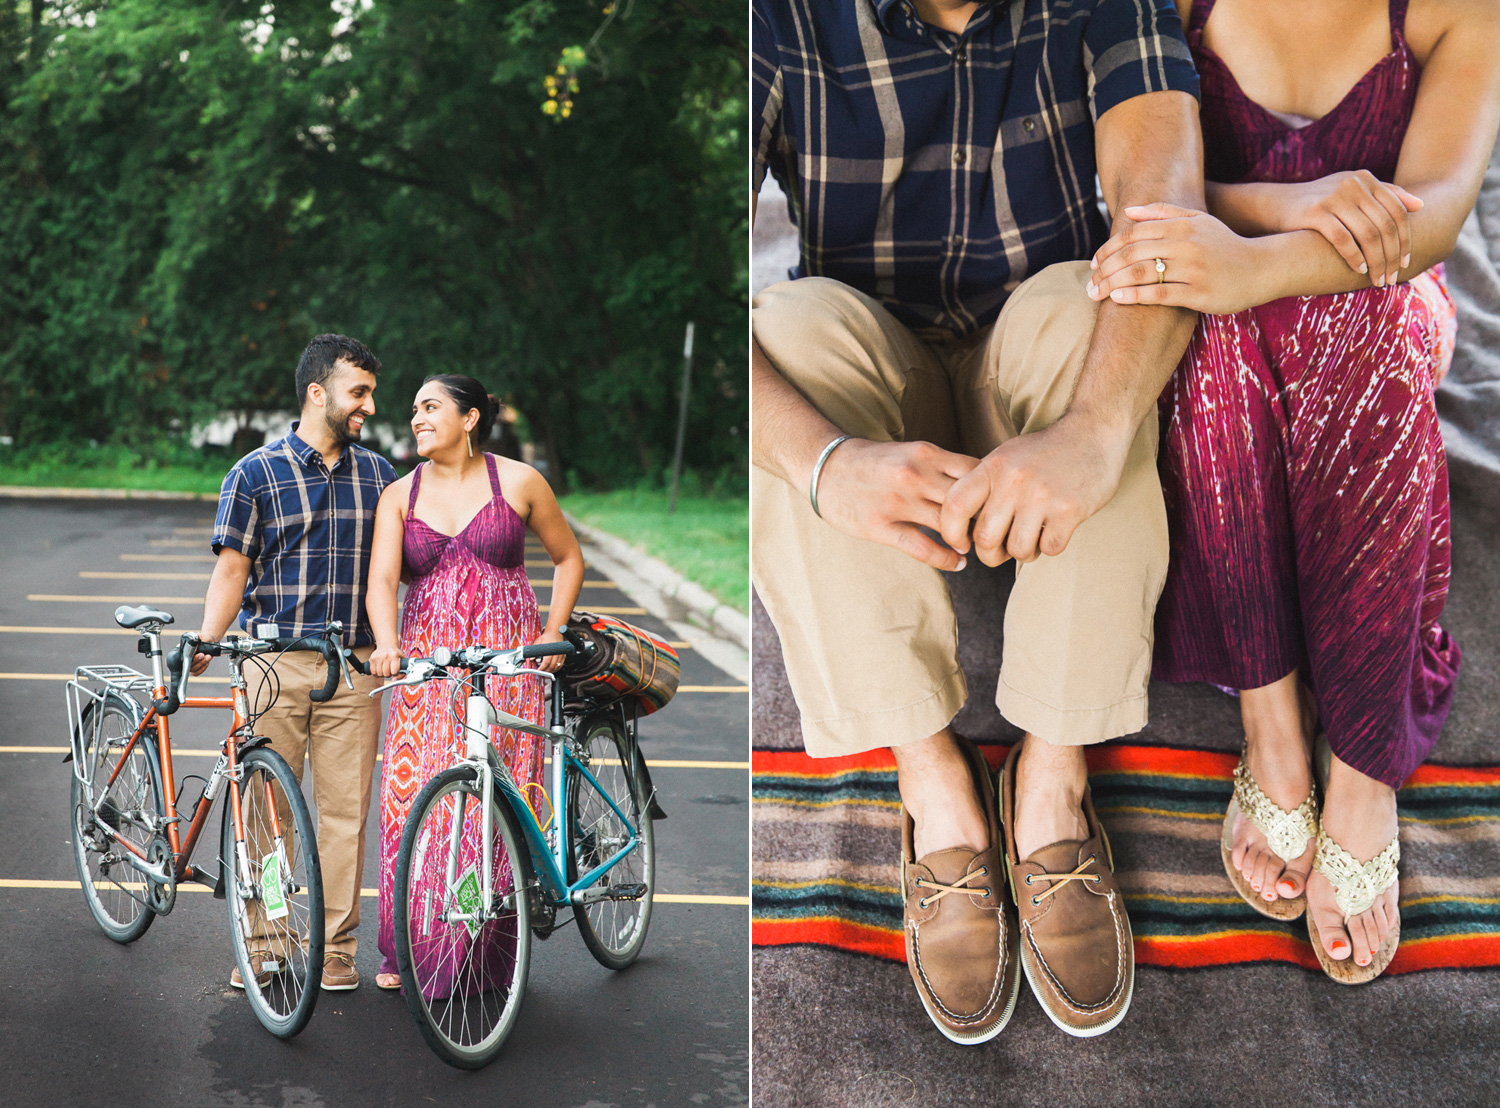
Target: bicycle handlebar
x=179, y=661
x=471, y=657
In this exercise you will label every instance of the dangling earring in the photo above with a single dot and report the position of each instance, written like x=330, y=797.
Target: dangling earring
x=469, y=442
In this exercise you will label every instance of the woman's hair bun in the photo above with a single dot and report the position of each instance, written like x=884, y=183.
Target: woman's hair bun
x=469, y=395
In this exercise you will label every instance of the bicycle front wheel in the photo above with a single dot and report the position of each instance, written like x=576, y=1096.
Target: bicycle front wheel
x=131, y=807
x=274, y=886
x=617, y=909
x=463, y=962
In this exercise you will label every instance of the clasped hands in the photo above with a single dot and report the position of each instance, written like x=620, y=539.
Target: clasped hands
x=1023, y=499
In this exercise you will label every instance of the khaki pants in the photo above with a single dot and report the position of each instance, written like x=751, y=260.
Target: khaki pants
x=340, y=738
x=868, y=634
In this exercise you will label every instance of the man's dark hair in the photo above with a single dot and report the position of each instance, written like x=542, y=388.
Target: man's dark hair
x=318, y=360
x=469, y=394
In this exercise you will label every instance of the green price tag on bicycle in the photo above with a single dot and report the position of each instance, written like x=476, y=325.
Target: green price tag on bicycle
x=272, y=895
x=466, y=899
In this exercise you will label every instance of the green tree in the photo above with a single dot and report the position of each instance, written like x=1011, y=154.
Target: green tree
x=188, y=192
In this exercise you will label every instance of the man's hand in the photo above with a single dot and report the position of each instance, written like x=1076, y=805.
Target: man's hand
x=886, y=492
x=1030, y=494
x=200, y=663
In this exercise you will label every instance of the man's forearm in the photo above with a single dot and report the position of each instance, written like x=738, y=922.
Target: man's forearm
x=789, y=433
x=226, y=592
x=1150, y=151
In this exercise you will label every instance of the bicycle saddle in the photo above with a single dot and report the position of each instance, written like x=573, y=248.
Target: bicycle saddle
x=126, y=616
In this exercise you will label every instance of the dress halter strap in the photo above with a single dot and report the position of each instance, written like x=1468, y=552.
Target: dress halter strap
x=1198, y=15
x=1398, y=18
x=416, y=481
x=489, y=461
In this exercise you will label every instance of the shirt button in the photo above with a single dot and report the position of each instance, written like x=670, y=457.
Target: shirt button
x=957, y=242
x=1029, y=124
x=960, y=56
x=959, y=157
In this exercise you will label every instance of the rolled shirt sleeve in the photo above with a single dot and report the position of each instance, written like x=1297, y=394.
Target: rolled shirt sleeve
x=237, y=525
x=1134, y=47
x=765, y=95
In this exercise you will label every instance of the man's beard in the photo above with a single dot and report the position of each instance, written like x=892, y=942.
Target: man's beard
x=338, y=426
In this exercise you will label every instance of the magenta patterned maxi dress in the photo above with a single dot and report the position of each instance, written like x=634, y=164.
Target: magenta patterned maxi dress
x=468, y=589
x=1304, y=474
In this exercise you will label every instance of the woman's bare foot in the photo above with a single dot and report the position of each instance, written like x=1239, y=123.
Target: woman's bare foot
x=1279, y=719
x=1359, y=813
x=388, y=980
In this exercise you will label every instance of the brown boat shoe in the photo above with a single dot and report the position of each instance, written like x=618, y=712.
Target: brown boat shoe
x=1076, y=946
x=960, y=933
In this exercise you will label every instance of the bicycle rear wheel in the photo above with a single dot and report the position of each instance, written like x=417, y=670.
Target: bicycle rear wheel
x=274, y=886
x=463, y=979
x=614, y=927
x=133, y=804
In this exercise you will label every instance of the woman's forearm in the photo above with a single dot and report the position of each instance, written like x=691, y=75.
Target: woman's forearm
x=567, y=583
x=1251, y=209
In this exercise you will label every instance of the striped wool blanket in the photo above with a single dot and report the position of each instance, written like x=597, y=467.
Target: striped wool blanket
x=827, y=841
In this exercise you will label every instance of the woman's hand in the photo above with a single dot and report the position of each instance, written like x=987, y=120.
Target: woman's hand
x=1209, y=268
x=1364, y=218
x=385, y=661
x=552, y=661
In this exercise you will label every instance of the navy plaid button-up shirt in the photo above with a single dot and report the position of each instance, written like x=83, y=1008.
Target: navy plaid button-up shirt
x=307, y=531
x=935, y=171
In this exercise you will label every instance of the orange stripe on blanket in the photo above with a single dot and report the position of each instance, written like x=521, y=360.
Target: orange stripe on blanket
x=1455, y=775
x=827, y=931
x=1116, y=759
x=1185, y=952
x=1446, y=952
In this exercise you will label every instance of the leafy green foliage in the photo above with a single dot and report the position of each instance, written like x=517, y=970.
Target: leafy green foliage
x=189, y=192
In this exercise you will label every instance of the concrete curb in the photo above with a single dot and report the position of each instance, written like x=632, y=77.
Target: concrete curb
x=716, y=630
x=30, y=492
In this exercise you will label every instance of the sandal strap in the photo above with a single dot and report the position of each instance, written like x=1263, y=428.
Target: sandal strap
x=1356, y=884
x=1287, y=833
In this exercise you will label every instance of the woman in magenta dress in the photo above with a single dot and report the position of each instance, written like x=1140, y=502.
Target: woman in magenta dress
x=1345, y=141
x=455, y=530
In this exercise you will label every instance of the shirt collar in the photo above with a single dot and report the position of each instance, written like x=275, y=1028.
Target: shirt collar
x=310, y=456
x=892, y=14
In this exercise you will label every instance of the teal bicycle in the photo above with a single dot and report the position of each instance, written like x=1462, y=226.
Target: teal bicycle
x=478, y=874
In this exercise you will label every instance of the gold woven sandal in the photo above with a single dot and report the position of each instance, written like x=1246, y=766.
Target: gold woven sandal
x=1356, y=886
x=1287, y=834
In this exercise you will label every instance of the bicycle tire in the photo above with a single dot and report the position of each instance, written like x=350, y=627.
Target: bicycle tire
x=284, y=1001
x=613, y=930
x=463, y=989
x=122, y=913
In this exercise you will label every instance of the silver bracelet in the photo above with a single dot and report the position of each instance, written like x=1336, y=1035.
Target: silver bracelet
x=812, y=487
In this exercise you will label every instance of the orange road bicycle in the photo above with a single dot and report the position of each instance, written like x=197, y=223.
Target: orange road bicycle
x=129, y=844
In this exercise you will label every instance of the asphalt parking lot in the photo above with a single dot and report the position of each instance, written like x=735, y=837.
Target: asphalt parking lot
x=84, y=1021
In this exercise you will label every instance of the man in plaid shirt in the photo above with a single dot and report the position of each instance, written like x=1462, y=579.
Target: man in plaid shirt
x=938, y=366
x=293, y=534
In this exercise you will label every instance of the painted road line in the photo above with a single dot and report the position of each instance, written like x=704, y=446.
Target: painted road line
x=177, y=751
x=68, y=677
x=193, y=530
x=714, y=688
x=63, y=598
x=67, y=631
x=369, y=894
x=168, y=558
x=132, y=575
x=7, y=629
x=128, y=575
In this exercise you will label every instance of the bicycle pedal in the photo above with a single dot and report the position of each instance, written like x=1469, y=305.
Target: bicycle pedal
x=626, y=892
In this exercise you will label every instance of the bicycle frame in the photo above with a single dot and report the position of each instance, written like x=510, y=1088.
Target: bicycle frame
x=549, y=858
x=124, y=680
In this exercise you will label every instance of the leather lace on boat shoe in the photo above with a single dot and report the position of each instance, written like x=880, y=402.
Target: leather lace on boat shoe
x=960, y=933
x=1075, y=944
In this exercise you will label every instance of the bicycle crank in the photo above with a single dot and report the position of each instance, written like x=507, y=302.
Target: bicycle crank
x=161, y=876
